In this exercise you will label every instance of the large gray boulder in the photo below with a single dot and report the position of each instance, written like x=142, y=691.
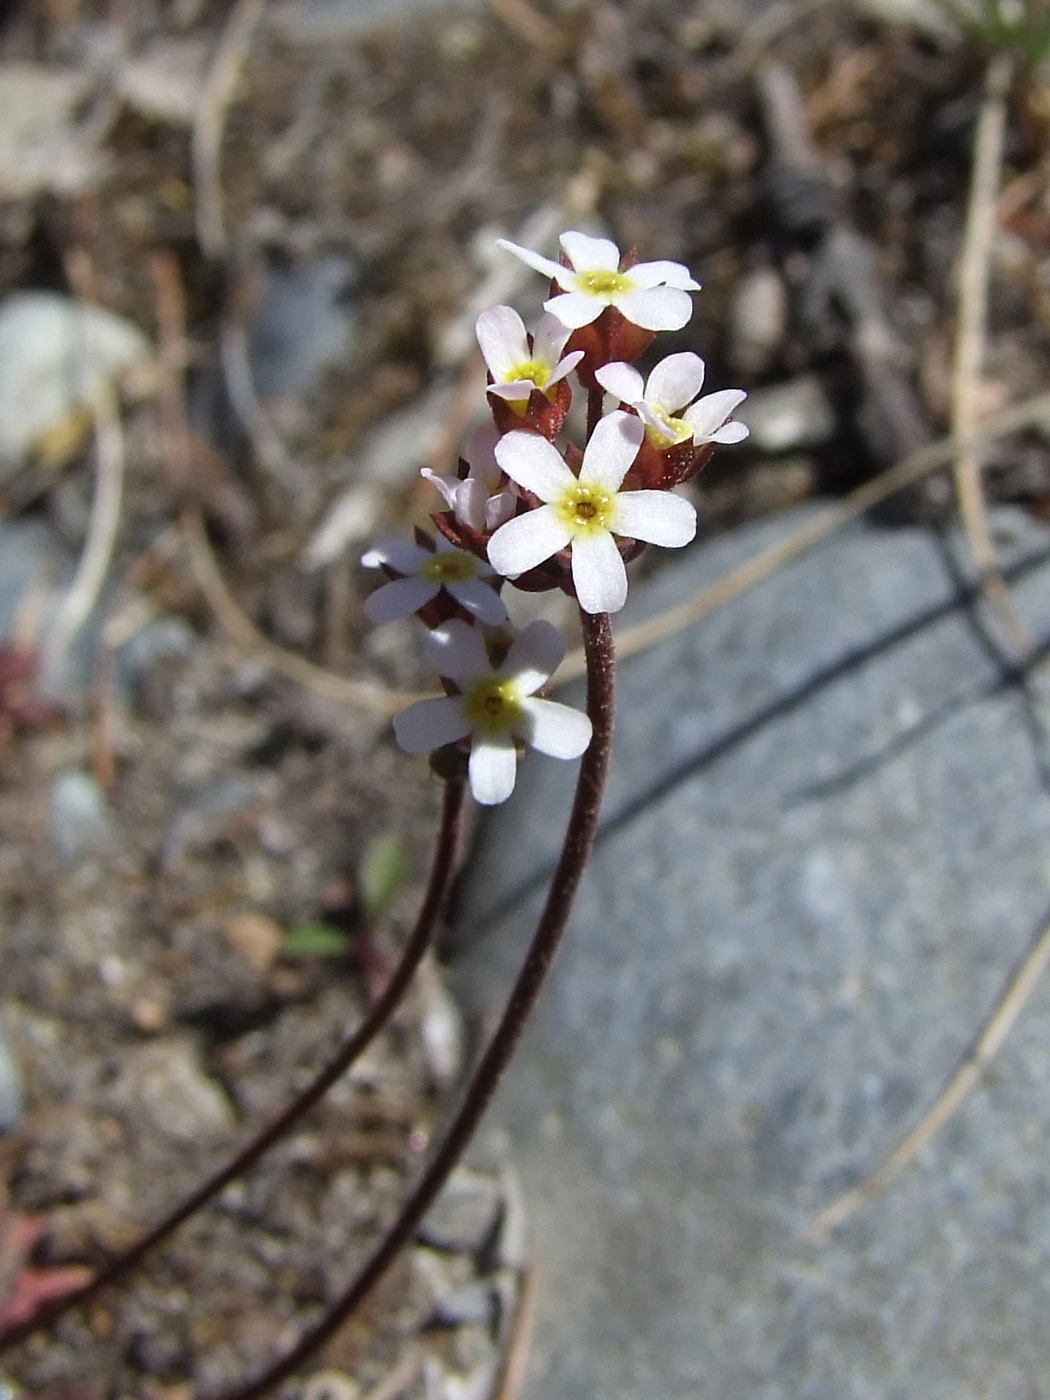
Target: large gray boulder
x=826, y=841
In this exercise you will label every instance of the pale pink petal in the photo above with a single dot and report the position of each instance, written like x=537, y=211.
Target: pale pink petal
x=526, y=541
x=492, y=769
x=658, y=517
x=481, y=600
x=499, y=509
x=534, y=656
x=576, y=309
x=534, y=463
x=598, y=573
x=457, y=651
x=555, y=729
x=675, y=381
x=535, y=260
x=663, y=274
x=399, y=555
x=480, y=454
x=589, y=254
x=655, y=309
x=613, y=447
x=548, y=340
x=449, y=486
x=471, y=503
x=710, y=413
x=400, y=598
x=429, y=724
x=621, y=379
x=564, y=367
x=501, y=335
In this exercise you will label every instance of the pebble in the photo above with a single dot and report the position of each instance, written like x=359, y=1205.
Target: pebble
x=82, y=822
x=302, y=328
x=464, y=1215
x=758, y=320
x=11, y=1100
x=789, y=416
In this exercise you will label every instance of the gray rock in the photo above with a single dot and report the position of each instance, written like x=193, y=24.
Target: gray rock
x=82, y=822
x=329, y=20
x=302, y=327
x=826, y=841
x=785, y=417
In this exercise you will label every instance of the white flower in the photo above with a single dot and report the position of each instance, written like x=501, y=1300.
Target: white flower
x=653, y=295
x=478, y=500
x=585, y=512
x=496, y=706
x=426, y=574
x=515, y=368
x=671, y=388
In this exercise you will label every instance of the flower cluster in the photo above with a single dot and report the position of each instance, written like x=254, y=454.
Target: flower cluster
x=523, y=508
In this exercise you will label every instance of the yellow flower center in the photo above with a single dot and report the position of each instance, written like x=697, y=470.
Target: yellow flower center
x=602, y=283
x=450, y=566
x=677, y=429
x=493, y=706
x=536, y=370
x=586, y=509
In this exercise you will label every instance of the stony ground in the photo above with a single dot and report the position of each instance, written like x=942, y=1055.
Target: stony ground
x=167, y=827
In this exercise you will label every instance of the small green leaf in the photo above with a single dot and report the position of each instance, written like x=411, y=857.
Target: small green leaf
x=314, y=940
x=382, y=872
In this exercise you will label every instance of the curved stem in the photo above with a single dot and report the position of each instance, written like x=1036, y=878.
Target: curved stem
x=442, y=870
x=579, y=838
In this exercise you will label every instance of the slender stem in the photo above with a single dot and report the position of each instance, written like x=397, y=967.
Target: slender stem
x=579, y=838
x=442, y=870
x=595, y=405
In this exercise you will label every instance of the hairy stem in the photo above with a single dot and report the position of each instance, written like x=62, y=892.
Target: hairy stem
x=579, y=838
x=442, y=870
x=595, y=405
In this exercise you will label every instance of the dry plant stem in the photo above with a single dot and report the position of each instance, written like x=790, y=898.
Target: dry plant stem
x=1015, y=994
x=511, y=1380
x=824, y=524
x=441, y=873
x=974, y=269
x=219, y=89
x=103, y=527
x=579, y=838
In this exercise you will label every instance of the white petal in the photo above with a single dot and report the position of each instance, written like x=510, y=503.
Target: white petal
x=534, y=260
x=675, y=381
x=499, y=509
x=589, y=254
x=663, y=274
x=555, y=729
x=398, y=554
x=471, y=503
x=526, y=541
x=534, y=656
x=501, y=335
x=549, y=339
x=576, y=309
x=613, y=447
x=449, y=486
x=457, y=650
x=652, y=420
x=428, y=724
x=658, y=517
x=732, y=432
x=534, y=463
x=515, y=389
x=493, y=768
x=598, y=573
x=621, y=379
x=399, y=598
x=710, y=413
x=481, y=600
x=656, y=309
x=564, y=367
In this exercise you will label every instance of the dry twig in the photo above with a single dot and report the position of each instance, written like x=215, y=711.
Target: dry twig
x=511, y=1378
x=978, y=1057
x=971, y=330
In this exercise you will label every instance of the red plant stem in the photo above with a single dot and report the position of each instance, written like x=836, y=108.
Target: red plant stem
x=579, y=838
x=595, y=405
x=441, y=872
